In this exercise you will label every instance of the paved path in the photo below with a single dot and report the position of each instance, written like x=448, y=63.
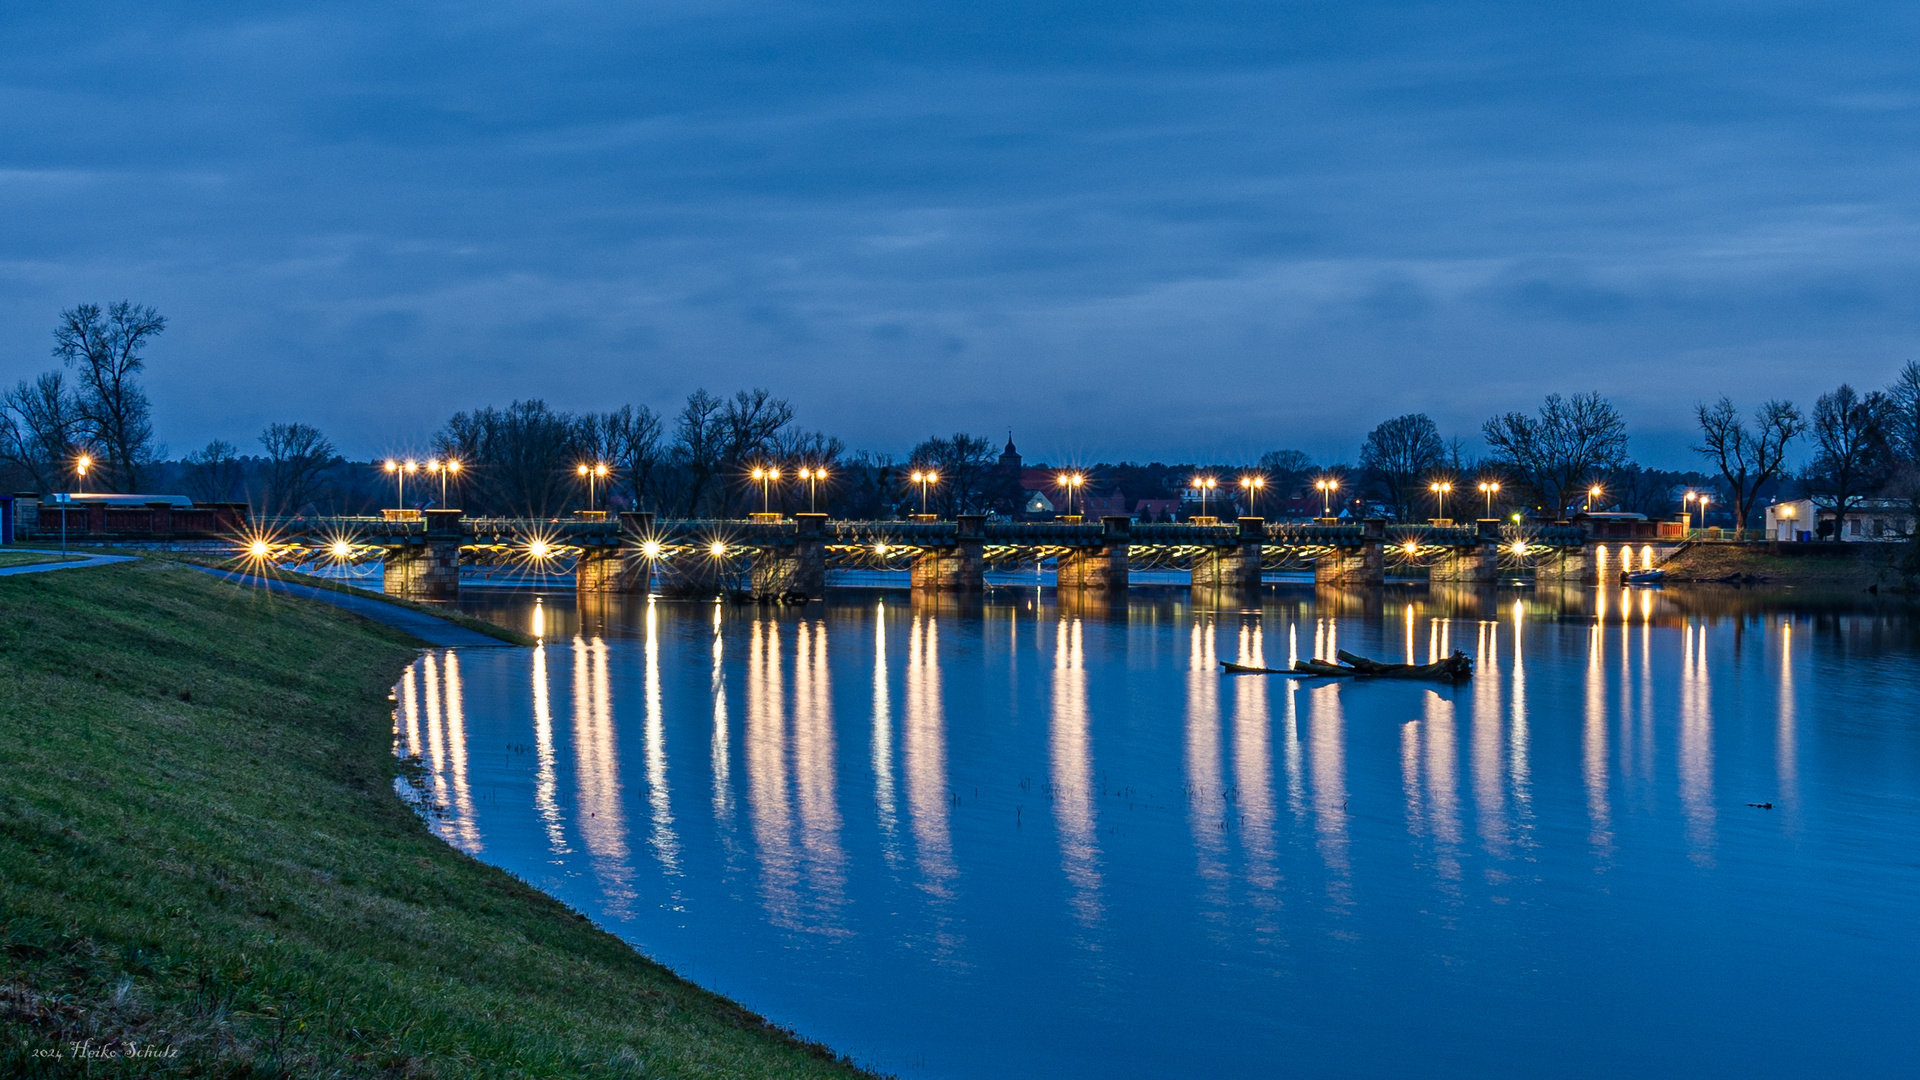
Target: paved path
x=428, y=628
x=41, y=568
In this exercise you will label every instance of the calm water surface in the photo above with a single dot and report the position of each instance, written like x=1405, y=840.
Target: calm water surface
x=1027, y=838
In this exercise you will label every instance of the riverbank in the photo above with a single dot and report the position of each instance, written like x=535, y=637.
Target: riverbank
x=202, y=856
x=1836, y=567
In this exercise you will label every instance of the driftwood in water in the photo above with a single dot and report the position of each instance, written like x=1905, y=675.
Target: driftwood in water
x=1455, y=668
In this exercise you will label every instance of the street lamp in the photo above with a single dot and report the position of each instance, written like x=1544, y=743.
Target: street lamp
x=813, y=478
x=1487, y=488
x=1592, y=494
x=1206, y=484
x=1251, y=485
x=766, y=476
x=593, y=473
x=400, y=471
x=1441, y=489
x=452, y=468
x=1070, y=481
x=1686, y=509
x=80, y=465
x=924, y=479
x=1327, y=488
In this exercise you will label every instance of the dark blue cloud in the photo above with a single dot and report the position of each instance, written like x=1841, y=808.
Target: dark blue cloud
x=1141, y=229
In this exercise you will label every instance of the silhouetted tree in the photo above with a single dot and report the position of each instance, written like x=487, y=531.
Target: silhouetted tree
x=1903, y=414
x=39, y=422
x=106, y=353
x=214, y=472
x=1747, y=459
x=633, y=445
x=1852, y=458
x=699, y=445
x=964, y=463
x=297, y=455
x=1399, y=456
x=1574, y=442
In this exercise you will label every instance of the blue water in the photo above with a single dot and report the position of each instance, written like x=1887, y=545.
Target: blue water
x=1021, y=840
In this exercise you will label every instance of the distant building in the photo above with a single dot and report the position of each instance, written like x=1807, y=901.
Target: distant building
x=1869, y=520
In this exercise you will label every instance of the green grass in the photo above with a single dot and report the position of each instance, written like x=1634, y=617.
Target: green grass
x=31, y=558
x=491, y=629
x=201, y=852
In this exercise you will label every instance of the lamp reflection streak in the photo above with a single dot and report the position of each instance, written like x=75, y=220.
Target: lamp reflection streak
x=1519, y=766
x=466, y=825
x=813, y=740
x=883, y=791
x=666, y=843
x=546, y=782
x=1327, y=770
x=1072, y=759
x=1206, y=803
x=1253, y=765
x=410, y=708
x=597, y=769
x=1489, y=759
x=925, y=752
x=1786, y=743
x=720, y=743
x=1696, y=744
x=1593, y=744
x=767, y=790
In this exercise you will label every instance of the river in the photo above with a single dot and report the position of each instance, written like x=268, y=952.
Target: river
x=1029, y=837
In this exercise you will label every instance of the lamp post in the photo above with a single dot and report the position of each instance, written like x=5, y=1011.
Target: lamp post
x=924, y=479
x=1072, y=482
x=1441, y=489
x=594, y=473
x=813, y=478
x=1592, y=494
x=400, y=471
x=1327, y=488
x=766, y=476
x=452, y=468
x=1487, y=488
x=1686, y=509
x=1251, y=485
x=1206, y=484
x=80, y=466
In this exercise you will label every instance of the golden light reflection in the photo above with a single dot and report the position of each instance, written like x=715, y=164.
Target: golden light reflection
x=1206, y=795
x=410, y=708
x=1696, y=743
x=814, y=757
x=926, y=758
x=1071, y=745
x=1519, y=765
x=1429, y=762
x=666, y=843
x=768, y=802
x=1489, y=756
x=1327, y=774
x=1786, y=745
x=882, y=743
x=546, y=784
x=1593, y=745
x=1253, y=771
x=600, y=813
x=720, y=744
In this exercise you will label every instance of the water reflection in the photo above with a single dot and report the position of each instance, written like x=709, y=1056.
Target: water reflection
x=1603, y=730
x=1071, y=753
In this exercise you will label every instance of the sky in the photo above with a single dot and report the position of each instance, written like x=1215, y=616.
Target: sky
x=1121, y=230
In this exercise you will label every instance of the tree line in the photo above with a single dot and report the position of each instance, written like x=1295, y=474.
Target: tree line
x=524, y=458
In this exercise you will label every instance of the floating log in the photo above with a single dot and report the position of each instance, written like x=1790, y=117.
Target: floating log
x=1455, y=668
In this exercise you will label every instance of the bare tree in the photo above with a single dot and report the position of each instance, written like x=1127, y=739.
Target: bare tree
x=39, y=422
x=1573, y=442
x=1903, y=416
x=106, y=352
x=633, y=446
x=1747, y=459
x=964, y=463
x=516, y=460
x=1401, y=454
x=1852, y=458
x=297, y=455
x=699, y=445
x=214, y=472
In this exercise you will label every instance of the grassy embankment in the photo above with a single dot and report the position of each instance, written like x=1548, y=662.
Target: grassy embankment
x=1832, y=567
x=31, y=558
x=201, y=852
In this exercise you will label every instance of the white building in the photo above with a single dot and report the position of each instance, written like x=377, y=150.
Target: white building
x=1870, y=519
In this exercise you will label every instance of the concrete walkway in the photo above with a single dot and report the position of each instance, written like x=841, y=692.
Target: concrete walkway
x=38, y=568
x=428, y=628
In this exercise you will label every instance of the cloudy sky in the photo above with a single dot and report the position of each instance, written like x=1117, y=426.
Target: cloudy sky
x=1123, y=230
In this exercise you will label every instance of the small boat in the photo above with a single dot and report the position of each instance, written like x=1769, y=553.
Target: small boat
x=1644, y=577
